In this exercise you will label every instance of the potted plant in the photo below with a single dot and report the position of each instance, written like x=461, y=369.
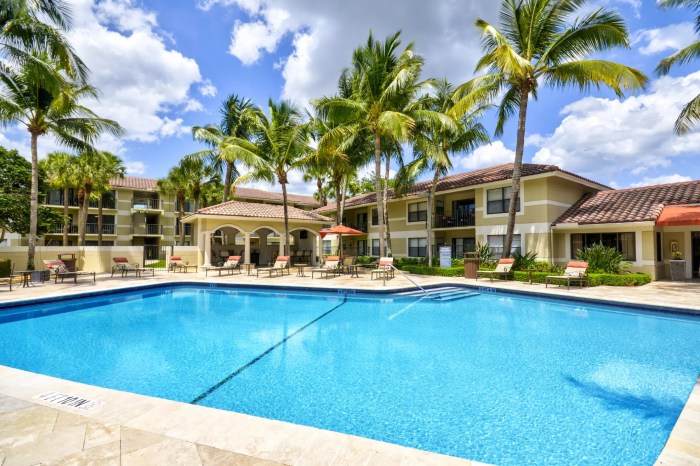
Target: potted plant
x=677, y=266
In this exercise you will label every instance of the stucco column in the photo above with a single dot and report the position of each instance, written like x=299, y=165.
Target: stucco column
x=206, y=237
x=283, y=240
x=318, y=246
x=246, y=245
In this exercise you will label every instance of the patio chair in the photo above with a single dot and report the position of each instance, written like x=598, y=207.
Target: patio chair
x=330, y=266
x=123, y=265
x=385, y=268
x=176, y=264
x=12, y=278
x=281, y=264
x=575, y=272
x=503, y=270
x=231, y=264
x=59, y=270
x=348, y=262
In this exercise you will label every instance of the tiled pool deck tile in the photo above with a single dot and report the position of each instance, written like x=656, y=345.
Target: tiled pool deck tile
x=130, y=429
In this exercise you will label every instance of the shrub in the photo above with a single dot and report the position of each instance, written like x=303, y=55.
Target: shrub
x=594, y=279
x=483, y=252
x=457, y=262
x=5, y=267
x=524, y=261
x=425, y=270
x=602, y=259
x=401, y=262
x=366, y=259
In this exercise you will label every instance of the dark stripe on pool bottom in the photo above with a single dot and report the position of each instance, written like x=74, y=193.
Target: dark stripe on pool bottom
x=214, y=388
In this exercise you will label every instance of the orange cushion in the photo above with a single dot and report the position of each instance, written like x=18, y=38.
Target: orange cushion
x=332, y=258
x=506, y=261
x=120, y=259
x=578, y=264
x=283, y=258
x=175, y=258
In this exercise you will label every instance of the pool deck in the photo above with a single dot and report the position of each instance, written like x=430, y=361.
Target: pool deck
x=131, y=429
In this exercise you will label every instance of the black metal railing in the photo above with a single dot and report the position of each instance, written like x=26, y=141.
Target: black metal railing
x=147, y=229
x=106, y=204
x=146, y=203
x=358, y=226
x=189, y=206
x=72, y=230
x=453, y=220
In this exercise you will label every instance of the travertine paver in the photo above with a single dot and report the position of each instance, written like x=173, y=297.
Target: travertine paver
x=134, y=429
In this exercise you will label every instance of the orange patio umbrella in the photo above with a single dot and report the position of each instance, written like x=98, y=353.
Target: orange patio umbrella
x=340, y=230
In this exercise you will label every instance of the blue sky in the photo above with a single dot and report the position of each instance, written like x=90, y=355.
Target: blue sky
x=164, y=66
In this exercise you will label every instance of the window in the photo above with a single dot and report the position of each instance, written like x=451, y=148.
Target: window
x=496, y=243
x=439, y=207
x=362, y=247
x=624, y=243
x=417, y=247
x=375, y=217
x=327, y=246
x=375, y=247
x=498, y=200
x=418, y=212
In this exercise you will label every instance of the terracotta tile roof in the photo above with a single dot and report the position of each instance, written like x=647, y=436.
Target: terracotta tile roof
x=630, y=205
x=250, y=193
x=256, y=210
x=133, y=182
x=462, y=180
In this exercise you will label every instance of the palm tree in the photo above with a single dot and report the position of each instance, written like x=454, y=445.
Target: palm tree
x=22, y=29
x=380, y=84
x=536, y=44
x=176, y=183
x=225, y=140
x=197, y=173
x=111, y=167
x=48, y=108
x=432, y=145
x=60, y=168
x=690, y=114
x=281, y=145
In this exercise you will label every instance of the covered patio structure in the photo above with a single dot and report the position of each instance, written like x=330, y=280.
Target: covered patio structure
x=255, y=232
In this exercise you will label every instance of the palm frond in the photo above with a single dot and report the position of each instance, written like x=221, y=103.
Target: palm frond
x=684, y=55
x=689, y=117
x=587, y=73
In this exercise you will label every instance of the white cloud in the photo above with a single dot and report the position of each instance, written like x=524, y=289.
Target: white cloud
x=323, y=35
x=485, y=156
x=663, y=179
x=207, y=89
x=193, y=105
x=672, y=37
x=173, y=127
x=603, y=138
x=135, y=167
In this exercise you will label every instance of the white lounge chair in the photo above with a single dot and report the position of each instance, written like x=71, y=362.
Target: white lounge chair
x=232, y=264
x=385, y=268
x=575, y=272
x=330, y=266
x=278, y=268
x=504, y=269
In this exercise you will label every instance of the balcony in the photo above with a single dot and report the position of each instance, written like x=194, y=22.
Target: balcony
x=453, y=220
x=146, y=204
x=147, y=229
x=106, y=204
x=189, y=207
x=90, y=229
x=58, y=201
x=72, y=230
x=358, y=226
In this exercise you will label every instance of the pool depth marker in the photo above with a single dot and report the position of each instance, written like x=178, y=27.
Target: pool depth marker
x=225, y=380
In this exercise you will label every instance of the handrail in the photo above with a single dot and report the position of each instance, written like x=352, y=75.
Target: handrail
x=404, y=276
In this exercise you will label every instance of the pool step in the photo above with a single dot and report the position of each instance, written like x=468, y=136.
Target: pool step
x=442, y=294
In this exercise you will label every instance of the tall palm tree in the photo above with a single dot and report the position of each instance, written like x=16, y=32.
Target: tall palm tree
x=281, y=145
x=60, y=169
x=226, y=139
x=197, y=173
x=690, y=115
x=432, y=146
x=535, y=43
x=381, y=82
x=38, y=25
x=54, y=108
x=176, y=183
x=111, y=167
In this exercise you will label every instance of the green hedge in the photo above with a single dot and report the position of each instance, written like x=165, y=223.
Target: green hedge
x=5, y=268
x=594, y=279
x=425, y=270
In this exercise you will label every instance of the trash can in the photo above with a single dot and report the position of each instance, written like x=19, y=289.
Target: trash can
x=471, y=265
x=69, y=260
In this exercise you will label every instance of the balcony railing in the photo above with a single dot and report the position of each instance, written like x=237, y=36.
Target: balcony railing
x=90, y=229
x=73, y=202
x=453, y=220
x=147, y=229
x=358, y=226
x=106, y=204
x=146, y=204
x=189, y=207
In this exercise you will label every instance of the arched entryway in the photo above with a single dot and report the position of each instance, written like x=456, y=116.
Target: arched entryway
x=304, y=246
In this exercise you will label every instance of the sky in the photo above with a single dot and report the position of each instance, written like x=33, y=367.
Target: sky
x=163, y=66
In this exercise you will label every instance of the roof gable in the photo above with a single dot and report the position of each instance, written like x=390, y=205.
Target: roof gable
x=256, y=210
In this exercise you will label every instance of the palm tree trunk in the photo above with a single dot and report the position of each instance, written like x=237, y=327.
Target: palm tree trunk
x=33, y=204
x=517, y=169
x=86, y=205
x=431, y=201
x=386, y=201
x=66, y=221
x=380, y=193
x=99, y=221
x=337, y=177
x=343, y=190
x=196, y=203
x=181, y=201
x=286, y=218
x=81, y=204
x=227, y=181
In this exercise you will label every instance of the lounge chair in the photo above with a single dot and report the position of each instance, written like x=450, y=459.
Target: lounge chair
x=176, y=264
x=123, y=265
x=348, y=262
x=503, y=270
x=59, y=270
x=330, y=266
x=16, y=279
x=231, y=264
x=279, y=268
x=575, y=272
x=385, y=268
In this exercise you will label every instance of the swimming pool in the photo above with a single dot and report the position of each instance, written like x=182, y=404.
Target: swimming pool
x=498, y=378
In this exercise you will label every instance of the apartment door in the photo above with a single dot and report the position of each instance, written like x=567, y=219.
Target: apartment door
x=463, y=212
x=461, y=246
x=695, y=253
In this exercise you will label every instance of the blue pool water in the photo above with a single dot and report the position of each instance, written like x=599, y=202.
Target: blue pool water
x=497, y=378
